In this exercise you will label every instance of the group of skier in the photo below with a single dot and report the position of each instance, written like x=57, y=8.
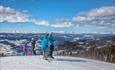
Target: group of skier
x=47, y=46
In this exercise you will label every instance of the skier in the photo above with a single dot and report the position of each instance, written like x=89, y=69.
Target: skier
x=51, y=45
x=33, y=42
x=44, y=46
x=24, y=47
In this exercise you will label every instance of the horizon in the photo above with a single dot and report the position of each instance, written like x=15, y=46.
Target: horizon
x=55, y=33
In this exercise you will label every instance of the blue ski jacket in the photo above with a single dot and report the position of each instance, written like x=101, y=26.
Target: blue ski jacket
x=44, y=43
x=51, y=40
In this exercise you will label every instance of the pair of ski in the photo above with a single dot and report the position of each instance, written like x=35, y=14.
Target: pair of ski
x=49, y=59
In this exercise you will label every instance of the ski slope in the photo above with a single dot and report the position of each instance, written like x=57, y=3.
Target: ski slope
x=60, y=63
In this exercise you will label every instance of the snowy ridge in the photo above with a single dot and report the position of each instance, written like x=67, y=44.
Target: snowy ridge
x=60, y=63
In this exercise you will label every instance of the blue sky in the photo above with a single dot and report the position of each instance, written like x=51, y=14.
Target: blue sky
x=57, y=15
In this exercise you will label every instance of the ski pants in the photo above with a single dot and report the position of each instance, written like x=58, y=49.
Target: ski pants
x=51, y=49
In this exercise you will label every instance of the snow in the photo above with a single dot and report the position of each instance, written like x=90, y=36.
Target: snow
x=59, y=63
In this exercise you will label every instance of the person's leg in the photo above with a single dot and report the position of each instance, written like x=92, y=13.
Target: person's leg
x=45, y=53
x=25, y=51
x=51, y=51
x=34, y=52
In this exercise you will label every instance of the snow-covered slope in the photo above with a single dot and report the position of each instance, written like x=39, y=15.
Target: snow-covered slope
x=60, y=63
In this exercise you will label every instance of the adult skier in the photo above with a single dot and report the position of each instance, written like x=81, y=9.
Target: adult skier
x=51, y=45
x=44, y=46
x=33, y=42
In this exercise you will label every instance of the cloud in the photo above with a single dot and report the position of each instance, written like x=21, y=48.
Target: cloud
x=8, y=14
x=103, y=16
x=100, y=17
x=62, y=24
x=11, y=15
x=41, y=22
x=82, y=18
x=103, y=11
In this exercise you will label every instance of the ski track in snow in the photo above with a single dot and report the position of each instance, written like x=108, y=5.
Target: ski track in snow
x=59, y=63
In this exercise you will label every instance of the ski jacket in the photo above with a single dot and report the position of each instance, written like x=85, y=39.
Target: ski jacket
x=44, y=43
x=50, y=40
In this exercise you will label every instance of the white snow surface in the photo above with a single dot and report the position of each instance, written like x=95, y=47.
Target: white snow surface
x=59, y=63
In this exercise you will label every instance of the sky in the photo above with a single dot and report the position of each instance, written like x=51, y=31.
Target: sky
x=64, y=16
